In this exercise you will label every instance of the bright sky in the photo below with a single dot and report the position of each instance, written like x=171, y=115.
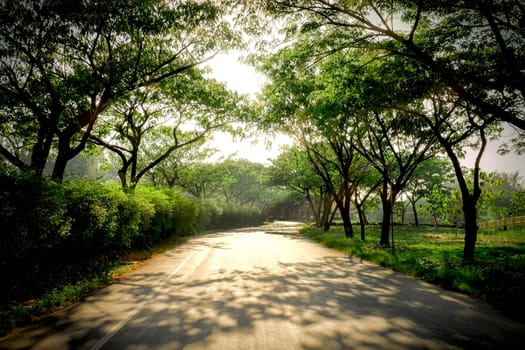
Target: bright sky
x=245, y=79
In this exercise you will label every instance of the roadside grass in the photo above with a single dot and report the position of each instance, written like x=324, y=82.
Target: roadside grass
x=75, y=287
x=496, y=275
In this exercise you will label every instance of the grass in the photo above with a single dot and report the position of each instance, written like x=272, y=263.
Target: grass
x=67, y=292
x=496, y=275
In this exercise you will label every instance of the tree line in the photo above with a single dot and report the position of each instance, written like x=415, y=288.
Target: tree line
x=370, y=90
x=390, y=84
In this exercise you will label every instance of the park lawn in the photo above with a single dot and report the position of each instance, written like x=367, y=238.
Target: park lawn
x=496, y=275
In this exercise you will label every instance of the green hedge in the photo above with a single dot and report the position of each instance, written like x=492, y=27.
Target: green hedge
x=59, y=233
x=45, y=228
x=215, y=216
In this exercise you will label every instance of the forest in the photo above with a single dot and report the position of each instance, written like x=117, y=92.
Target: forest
x=107, y=109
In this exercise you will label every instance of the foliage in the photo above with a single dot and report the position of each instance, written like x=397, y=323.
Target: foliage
x=496, y=275
x=428, y=181
x=293, y=171
x=472, y=47
x=49, y=229
x=150, y=125
x=503, y=195
x=63, y=64
x=453, y=69
x=234, y=216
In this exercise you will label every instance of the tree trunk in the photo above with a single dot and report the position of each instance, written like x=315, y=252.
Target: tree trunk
x=123, y=179
x=65, y=154
x=315, y=211
x=60, y=166
x=326, y=209
x=384, y=241
x=469, y=200
x=362, y=219
x=471, y=227
x=347, y=223
x=385, y=225
x=41, y=150
x=416, y=220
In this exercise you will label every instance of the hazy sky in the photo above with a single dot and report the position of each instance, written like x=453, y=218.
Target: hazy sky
x=245, y=79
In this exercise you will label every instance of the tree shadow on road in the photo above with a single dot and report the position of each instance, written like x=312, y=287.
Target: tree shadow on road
x=332, y=303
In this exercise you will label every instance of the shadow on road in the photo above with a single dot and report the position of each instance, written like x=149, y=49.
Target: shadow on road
x=338, y=306
x=333, y=302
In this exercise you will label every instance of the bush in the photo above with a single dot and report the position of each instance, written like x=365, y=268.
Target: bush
x=33, y=220
x=234, y=216
x=94, y=211
x=184, y=213
x=209, y=215
x=50, y=232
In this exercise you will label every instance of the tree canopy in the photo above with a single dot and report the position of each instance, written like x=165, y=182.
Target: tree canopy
x=64, y=63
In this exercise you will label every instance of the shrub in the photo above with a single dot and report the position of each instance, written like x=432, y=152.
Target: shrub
x=94, y=211
x=184, y=212
x=209, y=215
x=33, y=220
x=234, y=216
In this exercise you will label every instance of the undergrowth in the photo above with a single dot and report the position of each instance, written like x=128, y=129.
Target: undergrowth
x=74, y=287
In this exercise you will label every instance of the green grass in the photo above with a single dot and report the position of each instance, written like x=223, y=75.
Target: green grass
x=66, y=292
x=496, y=275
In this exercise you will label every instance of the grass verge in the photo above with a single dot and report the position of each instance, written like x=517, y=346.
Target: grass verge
x=496, y=275
x=70, y=290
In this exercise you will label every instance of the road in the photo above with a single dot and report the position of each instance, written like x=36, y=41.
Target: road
x=269, y=288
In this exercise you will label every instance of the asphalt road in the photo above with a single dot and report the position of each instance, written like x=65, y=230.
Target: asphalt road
x=268, y=288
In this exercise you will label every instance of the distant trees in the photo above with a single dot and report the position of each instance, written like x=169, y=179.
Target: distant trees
x=428, y=181
x=293, y=170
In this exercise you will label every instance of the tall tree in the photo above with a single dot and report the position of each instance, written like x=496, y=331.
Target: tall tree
x=456, y=126
x=64, y=63
x=147, y=128
x=473, y=46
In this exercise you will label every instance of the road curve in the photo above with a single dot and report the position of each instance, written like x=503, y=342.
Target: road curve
x=269, y=288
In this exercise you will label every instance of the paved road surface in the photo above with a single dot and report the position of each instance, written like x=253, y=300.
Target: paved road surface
x=267, y=288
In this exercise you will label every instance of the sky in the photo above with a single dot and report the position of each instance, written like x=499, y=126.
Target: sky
x=245, y=79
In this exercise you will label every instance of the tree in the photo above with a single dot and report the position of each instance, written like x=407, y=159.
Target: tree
x=243, y=182
x=473, y=47
x=293, y=103
x=366, y=183
x=395, y=147
x=504, y=190
x=437, y=204
x=293, y=170
x=462, y=54
x=64, y=63
x=354, y=95
x=336, y=104
x=332, y=162
x=169, y=172
x=147, y=128
x=200, y=179
x=428, y=179
x=456, y=126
